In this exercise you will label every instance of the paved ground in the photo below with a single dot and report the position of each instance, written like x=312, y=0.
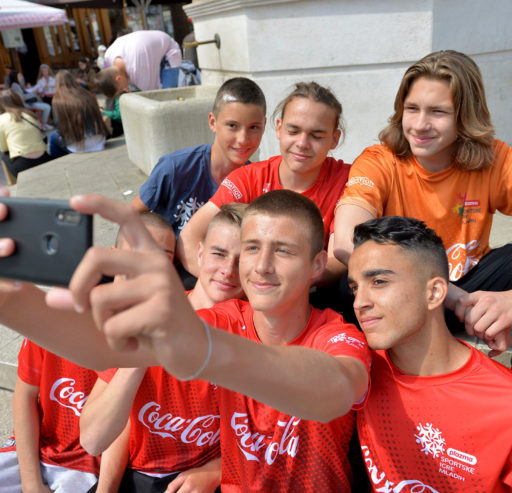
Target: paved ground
x=108, y=172
x=111, y=173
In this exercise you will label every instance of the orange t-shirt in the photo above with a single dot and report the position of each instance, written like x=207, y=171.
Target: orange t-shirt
x=457, y=204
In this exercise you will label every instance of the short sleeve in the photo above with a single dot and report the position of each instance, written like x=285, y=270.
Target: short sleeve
x=157, y=189
x=234, y=188
x=370, y=180
x=107, y=375
x=501, y=179
x=30, y=363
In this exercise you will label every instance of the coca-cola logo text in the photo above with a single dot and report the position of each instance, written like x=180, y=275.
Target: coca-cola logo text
x=63, y=392
x=251, y=443
x=202, y=430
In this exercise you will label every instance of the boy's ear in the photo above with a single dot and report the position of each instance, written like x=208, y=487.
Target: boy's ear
x=437, y=289
x=279, y=122
x=336, y=138
x=200, y=250
x=212, y=122
x=319, y=263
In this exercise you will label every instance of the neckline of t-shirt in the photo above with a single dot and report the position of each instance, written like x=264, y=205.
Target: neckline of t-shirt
x=433, y=380
x=316, y=183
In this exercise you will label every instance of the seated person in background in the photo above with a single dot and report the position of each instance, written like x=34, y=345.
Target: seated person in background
x=45, y=85
x=20, y=79
x=86, y=75
x=439, y=162
x=21, y=142
x=181, y=182
x=78, y=118
x=29, y=100
x=303, y=369
x=139, y=56
x=154, y=457
x=113, y=84
x=435, y=419
x=308, y=127
x=45, y=452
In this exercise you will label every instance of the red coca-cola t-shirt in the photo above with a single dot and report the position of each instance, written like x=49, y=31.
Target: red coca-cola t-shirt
x=174, y=425
x=63, y=390
x=266, y=450
x=440, y=433
x=248, y=182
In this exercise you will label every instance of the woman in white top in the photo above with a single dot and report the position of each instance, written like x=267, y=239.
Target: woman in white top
x=21, y=142
x=45, y=85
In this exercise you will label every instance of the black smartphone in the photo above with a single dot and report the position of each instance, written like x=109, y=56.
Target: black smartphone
x=51, y=238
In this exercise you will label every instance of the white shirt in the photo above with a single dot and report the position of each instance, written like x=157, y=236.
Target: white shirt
x=142, y=52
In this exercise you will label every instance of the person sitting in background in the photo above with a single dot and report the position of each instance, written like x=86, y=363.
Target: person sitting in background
x=45, y=453
x=21, y=142
x=29, y=100
x=45, y=85
x=78, y=118
x=113, y=84
x=86, y=74
x=7, y=70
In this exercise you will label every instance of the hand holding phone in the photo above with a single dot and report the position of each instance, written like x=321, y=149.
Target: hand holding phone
x=50, y=240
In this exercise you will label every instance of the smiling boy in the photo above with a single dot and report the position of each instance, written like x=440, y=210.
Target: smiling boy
x=290, y=433
x=183, y=181
x=439, y=162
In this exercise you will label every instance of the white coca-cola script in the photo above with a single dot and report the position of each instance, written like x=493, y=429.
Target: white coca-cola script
x=63, y=392
x=252, y=443
x=459, y=259
x=201, y=430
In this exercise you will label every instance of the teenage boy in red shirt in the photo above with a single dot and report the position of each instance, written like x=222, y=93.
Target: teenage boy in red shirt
x=435, y=418
x=291, y=432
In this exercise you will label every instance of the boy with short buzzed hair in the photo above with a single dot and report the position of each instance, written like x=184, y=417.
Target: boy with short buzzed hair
x=154, y=457
x=435, y=419
x=304, y=371
x=181, y=182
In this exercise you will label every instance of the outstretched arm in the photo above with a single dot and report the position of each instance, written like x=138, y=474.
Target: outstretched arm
x=150, y=309
x=27, y=421
x=108, y=409
x=194, y=232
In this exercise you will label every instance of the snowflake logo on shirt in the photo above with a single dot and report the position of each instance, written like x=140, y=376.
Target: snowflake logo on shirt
x=185, y=210
x=430, y=439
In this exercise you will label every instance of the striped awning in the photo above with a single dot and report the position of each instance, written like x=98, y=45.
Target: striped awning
x=20, y=14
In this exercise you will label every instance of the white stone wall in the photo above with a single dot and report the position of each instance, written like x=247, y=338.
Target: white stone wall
x=359, y=48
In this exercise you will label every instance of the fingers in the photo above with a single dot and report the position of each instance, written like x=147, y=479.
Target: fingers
x=131, y=226
x=60, y=298
x=98, y=262
x=175, y=484
x=462, y=304
x=7, y=246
